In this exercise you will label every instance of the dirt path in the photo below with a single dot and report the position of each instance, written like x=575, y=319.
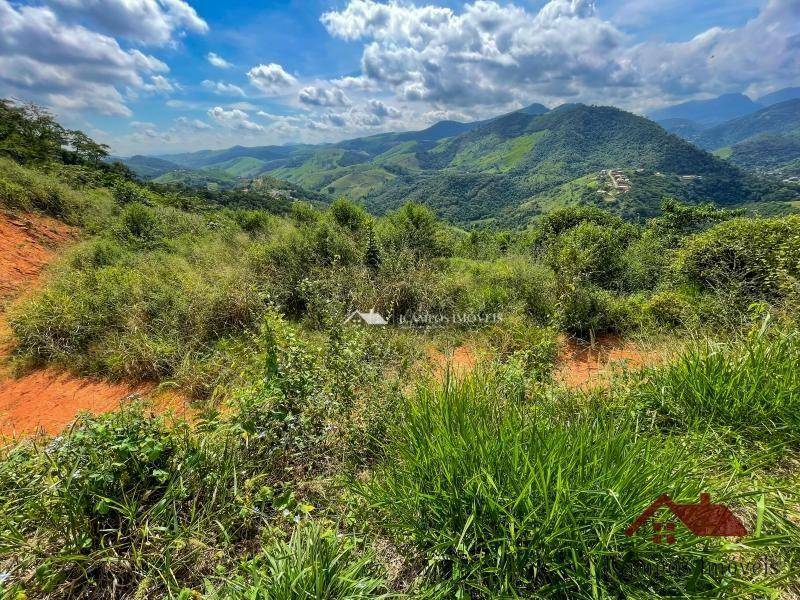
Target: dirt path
x=47, y=399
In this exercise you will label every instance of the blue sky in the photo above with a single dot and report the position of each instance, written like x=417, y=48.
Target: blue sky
x=160, y=76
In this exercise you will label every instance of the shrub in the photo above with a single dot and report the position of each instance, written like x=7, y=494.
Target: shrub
x=314, y=563
x=104, y=507
x=745, y=259
x=590, y=253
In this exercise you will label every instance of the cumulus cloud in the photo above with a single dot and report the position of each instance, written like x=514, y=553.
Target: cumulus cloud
x=223, y=88
x=484, y=55
x=187, y=123
x=233, y=119
x=218, y=61
x=69, y=66
x=159, y=83
x=144, y=21
x=492, y=54
x=381, y=110
x=764, y=52
x=315, y=95
x=271, y=79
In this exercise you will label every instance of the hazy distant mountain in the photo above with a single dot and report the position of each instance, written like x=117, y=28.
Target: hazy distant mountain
x=505, y=169
x=783, y=95
x=685, y=128
x=708, y=112
x=766, y=140
x=779, y=118
x=149, y=167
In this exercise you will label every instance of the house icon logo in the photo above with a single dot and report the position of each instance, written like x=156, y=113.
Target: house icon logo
x=702, y=519
x=368, y=318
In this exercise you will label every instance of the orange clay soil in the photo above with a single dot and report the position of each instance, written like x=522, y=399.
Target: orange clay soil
x=46, y=400
x=460, y=361
x=582, y=366
x=579, y=365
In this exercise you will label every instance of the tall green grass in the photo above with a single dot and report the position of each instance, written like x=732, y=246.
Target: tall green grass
x=750, y=387
x=315, y=563
x=504, y=500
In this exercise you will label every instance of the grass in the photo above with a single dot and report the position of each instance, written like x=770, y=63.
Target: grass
x=502, y=499
x=749, y=388
x=314, y=563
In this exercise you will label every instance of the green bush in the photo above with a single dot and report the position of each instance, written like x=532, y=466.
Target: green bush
x=745, y=259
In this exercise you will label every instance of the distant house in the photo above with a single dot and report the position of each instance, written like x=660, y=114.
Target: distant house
x=369, y=318
x=702, y=519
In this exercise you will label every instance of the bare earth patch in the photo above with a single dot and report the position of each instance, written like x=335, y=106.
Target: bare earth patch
x=49, y=400
x=581, y=365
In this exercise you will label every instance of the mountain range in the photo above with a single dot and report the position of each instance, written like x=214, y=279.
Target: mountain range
x=761, y=135
x=504, y=170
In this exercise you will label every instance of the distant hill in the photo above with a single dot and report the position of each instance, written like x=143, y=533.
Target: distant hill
x=708, y=112
x=791, y=93
x=776, y=119
x=766, y=141
x=501, y=170
x=149, y=167
x=543, y=161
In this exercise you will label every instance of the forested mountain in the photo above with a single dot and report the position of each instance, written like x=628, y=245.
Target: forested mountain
x=767, y=140
x=499, y=170
x=708, y=112
x=782, y=118
x=149, y=167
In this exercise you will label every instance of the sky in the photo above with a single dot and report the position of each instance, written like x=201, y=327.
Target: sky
x=162, y=76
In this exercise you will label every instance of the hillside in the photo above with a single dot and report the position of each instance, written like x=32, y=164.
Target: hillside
x=708, y=112
x=778, y=119
x=765, y=141
x=150, y=167
x=526, y=160
x=482, y=171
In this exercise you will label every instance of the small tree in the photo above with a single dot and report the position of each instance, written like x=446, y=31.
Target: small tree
x=372, y=256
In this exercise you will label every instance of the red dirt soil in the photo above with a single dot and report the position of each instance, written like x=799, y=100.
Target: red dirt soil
x=47, y=400
x=580, y=365
x=460, y=361
x=27, y=244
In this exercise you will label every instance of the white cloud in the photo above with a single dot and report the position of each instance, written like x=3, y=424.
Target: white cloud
x=491, y=54
x=764, y=52
x=487, y=54
x=197, y=124
x=271, y=79
x=381, y=110
x=223, y=88
x=218, y=61
x=69, y=67
x=233, y=119
x=159, y=83
x=315, y=95
x=143, y=21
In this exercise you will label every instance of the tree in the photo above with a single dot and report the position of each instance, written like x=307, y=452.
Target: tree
x=28, y=133
x=372, y=256
x=86, y=148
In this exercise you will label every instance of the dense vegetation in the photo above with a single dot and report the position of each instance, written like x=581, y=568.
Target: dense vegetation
x=763, y=140
x=324, y=461
x=482, y=172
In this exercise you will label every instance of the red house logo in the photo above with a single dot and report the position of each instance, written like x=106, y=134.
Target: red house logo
x=702, y=519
